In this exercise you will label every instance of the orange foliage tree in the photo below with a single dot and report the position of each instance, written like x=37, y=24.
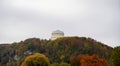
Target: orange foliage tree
x=93, y=60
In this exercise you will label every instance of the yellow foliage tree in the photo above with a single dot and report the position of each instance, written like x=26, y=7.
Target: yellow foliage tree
x=36, y=60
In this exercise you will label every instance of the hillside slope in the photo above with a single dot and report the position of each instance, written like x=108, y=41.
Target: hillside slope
x=59, y=50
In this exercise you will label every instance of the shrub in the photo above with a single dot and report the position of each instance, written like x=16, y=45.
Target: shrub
x=36, y=60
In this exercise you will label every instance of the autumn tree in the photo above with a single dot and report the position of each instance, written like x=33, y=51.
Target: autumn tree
x=115, y=57
x=75, y=60
x=0, y=64
x=9, y=64
x=36, y=60
x=93, y=60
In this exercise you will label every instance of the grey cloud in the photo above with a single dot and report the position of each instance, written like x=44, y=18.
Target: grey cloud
x=98, y=19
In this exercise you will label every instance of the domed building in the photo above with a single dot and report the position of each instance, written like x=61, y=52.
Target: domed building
x=57, y=34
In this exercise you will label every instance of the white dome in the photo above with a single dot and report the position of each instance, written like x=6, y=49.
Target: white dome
x=58, y=31
x=57, y=34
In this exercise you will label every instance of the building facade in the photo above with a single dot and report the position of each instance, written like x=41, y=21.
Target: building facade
x=57, y=34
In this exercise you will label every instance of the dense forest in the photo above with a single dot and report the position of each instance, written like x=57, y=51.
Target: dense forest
x=60, y=50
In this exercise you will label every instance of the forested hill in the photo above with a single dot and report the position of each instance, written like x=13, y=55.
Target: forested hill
x=59, y=50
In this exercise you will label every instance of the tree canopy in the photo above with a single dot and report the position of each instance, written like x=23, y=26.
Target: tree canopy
x=87, y=60
x=115, y=57
x=36, y=60
x=59, y=50
x=93, y=60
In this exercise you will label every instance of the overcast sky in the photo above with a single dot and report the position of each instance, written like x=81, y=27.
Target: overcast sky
x=22, y=19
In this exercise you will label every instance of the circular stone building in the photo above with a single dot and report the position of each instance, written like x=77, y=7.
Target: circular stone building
x=57, y=34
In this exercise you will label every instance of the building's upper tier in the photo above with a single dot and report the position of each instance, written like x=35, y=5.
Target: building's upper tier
x=57, y=31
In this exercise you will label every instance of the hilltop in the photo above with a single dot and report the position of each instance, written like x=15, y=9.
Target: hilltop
x=59, y=50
